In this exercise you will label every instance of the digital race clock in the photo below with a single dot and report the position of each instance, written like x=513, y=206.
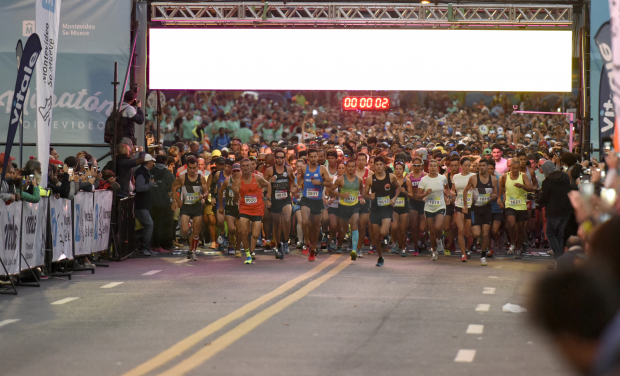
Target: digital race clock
x=365, y=104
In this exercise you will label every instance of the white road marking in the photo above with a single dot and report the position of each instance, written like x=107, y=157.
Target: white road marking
x=181, y=261
x=494, y=277
x=63, y=301
x=465, y=356
x=475, y=329
x=483, y=307
x=7, y=322
x=152, y=272
x=489, y=290
x=110, y=285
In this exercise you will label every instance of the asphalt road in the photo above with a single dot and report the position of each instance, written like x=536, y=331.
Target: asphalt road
x=218, y=316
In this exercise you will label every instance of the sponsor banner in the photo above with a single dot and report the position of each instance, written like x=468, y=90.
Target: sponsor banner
x=599, y=15
x=103, y=217
x=606, y=113
x=92, y=35
x=46, y=24
x=9, y=236
x=614, y=19
x=61, y=225
x=33, y=232
x=83, y=224
x=27, y=63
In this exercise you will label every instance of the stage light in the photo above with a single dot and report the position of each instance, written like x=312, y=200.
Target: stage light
x=425, y=2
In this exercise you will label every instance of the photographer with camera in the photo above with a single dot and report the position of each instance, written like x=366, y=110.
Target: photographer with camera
x=131, y=112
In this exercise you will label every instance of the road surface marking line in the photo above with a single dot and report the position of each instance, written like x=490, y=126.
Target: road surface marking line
x=494, y=277
x=152, y=272
x=465, y=356
x=181, y=261
x=489, y=290
x=250, y=324
x=110, y=285
x=63, y=301
x=483, y=307
x=475, y=329
x=7, y=322
x=185, y=344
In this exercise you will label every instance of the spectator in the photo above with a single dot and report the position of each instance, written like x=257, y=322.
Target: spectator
x=244, y=134
x=221, y=141
x=6, y=193
x=131, y=112
x=161, y=211
x=108, y=181
x=143, y=203
x=30, y=186
x=554, y=198
x=574, y=255
x=124, y=167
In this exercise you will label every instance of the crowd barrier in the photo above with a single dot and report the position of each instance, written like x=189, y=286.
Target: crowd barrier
x=77, y=227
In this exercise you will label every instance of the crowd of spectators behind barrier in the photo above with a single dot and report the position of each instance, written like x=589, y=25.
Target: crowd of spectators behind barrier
x=577, y=304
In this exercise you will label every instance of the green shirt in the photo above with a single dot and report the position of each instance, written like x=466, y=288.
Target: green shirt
x=188, y=127
x=244, y=134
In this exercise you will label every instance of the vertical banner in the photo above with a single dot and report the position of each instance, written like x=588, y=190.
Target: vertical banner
x=61, y=224
x=34, y=228
x=46, y=22
x=24, y=75
x=614, y=19
x=607, y=114
x=84, y=224
x=103, y=217
x=9, y=236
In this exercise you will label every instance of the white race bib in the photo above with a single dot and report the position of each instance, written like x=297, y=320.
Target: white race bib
x=192, y=198
x=383, y=201
x=251, y=200
x=281, y=194
x=514, y=201
x=312, y=193
x=400, y=202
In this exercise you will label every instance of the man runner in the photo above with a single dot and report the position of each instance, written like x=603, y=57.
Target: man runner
x=249, y=188
x=362, y=172
x=281, y=178
x=194, y=189
x=231, y=210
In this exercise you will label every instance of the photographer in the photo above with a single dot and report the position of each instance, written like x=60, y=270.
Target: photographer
x=131, y=111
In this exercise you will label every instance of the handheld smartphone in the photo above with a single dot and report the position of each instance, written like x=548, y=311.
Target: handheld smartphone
x=31, y=176
x=70, y=170
x=136, y=148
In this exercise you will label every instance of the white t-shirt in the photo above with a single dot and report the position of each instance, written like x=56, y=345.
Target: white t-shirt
x=460, y=182
x=435, y=201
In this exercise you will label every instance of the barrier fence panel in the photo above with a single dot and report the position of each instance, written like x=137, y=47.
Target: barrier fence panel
x=34, y=226
x=84, y=224
x=61, y=225
x=103, y=218
x=10, y=225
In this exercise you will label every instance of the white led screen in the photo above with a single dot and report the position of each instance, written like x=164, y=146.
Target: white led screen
x=354, y=59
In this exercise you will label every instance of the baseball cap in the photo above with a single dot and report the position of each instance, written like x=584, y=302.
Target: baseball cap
x=216, y=153
x=148, y=158
x=422, y=153
x=52, y=161
x=528, y=135
x=2, y=158
x=236, y=167
x=219, y=160
x=487, y=152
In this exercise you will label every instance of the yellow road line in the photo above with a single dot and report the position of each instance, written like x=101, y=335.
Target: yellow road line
x=185, y=344
x=248, y=325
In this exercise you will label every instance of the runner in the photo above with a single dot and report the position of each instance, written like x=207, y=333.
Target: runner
x=249, y=188
x=281, y=178
x=315, y=178
x=400, y=217
x=383, y=199
x=416, y=206
x=332, y=170
x=432, y=189
x=210, y=210
x=485, y=192
x=463, y=220
x=230, y=210
x=362, y=172
x=193, y=191
x=450, y=219
x=516, y=185
x=351, y=190
x=336, y=232
x=497, y=212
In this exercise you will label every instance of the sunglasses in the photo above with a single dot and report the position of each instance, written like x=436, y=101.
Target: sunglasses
x=279, y=157
x=417, y=165
x=261, y=160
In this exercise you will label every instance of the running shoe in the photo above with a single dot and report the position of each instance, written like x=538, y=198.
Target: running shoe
x=386, y=241
x=237, y=253
x=192, y=256
x=371, y=251
x=423, y=247
x=511, y=250
x=353, y=255
x=544, y=243
x=213, y=245
x=286, y=251
x=339, y=250
x=299, y=245
x=360, y=254
x=394, y=249
x=483, y=261
x=464, y=258
x=415, y=252
x=277, y=253
x=537, y=244
x=248, y=260
x=446, y=252
x=189, y=255
x=403, y=253
x=467, y=255
x=332, y=245
x=433, y=256
x=231, y=251
x=366, y=241
x=304, y=250
x=518, y=254
x=490, y=253
x=253, y=256
x=312, y=256
x=380, y=261
x=440, y=247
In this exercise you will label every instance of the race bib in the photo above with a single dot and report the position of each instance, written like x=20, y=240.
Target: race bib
x=434, y=202
x=400, y=202
x=484, y=199
x=281, y=194
x=415, y=183
x=350, y=200
x=514, y=201
x=192, y=198
x=312, y=193
x=251, y=200
x=383, y=201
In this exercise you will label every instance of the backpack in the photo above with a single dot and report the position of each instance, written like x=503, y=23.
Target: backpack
x=113, y=120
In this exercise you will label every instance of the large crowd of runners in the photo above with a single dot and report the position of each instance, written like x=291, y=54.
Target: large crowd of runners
x=439, y=180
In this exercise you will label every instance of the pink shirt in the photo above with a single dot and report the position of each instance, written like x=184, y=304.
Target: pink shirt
x=501, y=166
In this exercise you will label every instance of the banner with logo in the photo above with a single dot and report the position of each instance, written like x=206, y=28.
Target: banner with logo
x=599, y=15
x=62, y=227
x=9, y=236
x=25, y=71
x=46, y=24
x=606, y=112
x=614, y=19
x=92, y=35
x=103, y=217
x=83, y=224
x=33, y=232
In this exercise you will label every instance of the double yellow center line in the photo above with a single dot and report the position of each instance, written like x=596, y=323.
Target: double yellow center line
x=240, y=330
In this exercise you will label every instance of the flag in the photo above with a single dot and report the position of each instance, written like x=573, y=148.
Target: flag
x=614, y=20
x=47, y=21
x=27, y=64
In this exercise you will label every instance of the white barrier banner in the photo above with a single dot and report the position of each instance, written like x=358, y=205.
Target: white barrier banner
x=84, y=222
x=9, y=236
x=103, y=216
x=33, y=232
x=62, y=237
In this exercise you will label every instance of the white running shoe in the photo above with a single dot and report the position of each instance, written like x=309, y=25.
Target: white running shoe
x=440, y=246
x=434, y=256
x=511, y=250
x=483, y=261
